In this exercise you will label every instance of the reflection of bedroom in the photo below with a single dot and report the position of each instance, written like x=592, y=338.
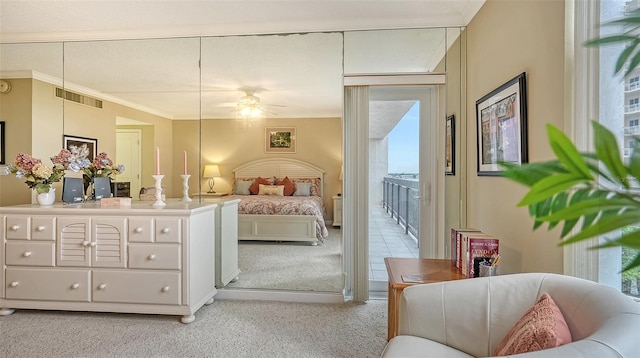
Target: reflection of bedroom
x=192, y=113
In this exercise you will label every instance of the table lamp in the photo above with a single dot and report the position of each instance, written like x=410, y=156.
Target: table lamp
x=211, y=171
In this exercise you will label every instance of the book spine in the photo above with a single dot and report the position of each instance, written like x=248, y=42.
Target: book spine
x=453, y=248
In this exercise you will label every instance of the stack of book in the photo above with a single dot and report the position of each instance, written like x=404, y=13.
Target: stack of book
x=469, y=247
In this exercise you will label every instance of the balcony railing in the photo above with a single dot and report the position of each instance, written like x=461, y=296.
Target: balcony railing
x=632, y=130
x=400, y=199
x=630, y=108
x=632, y=86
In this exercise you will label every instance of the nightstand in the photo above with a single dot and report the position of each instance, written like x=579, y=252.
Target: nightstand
x=337, y=210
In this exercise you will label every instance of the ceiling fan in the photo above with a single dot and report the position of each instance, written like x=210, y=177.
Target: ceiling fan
x=250, y=106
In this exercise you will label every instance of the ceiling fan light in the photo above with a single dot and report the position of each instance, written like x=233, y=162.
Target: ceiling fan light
x=245, y=111
x=255, y=112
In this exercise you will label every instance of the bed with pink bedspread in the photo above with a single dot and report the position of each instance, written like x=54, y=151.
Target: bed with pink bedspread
x=281, y=217
x=285, y=205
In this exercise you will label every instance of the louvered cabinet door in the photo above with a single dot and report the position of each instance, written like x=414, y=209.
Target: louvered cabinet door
x=108, y=242
x=73, y=242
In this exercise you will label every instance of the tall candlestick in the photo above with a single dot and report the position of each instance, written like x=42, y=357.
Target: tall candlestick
x=157, y=161
x=185, y=162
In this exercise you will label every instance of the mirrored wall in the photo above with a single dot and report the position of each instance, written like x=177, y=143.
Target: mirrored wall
x=179, y=97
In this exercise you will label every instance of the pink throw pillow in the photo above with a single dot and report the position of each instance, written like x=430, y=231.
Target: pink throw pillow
x=254, y=189
x=541, y=327
x=289, y=188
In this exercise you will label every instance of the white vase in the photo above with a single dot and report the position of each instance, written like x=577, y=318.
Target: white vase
x=47, y=199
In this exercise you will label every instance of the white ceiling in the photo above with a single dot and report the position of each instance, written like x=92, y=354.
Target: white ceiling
x=301, y=72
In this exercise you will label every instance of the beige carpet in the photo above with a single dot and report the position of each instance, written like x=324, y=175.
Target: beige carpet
x=223, y=329
x=291, y=265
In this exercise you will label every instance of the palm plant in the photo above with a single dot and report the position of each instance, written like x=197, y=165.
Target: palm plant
x=591, y=194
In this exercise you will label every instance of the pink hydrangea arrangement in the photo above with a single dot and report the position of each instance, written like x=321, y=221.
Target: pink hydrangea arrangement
x=101, y=166
x=38, y=175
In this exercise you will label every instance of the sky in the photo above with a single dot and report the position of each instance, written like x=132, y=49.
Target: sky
x=403, y=143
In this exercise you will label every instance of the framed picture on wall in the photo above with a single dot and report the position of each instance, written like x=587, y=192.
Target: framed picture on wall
x=501, y=125
x=80, y=147
x=280, y=140
x=2, y=142
x=450, y=146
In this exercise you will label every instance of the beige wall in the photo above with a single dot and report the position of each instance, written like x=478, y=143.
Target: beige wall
x=506, y=38
x=15, y=111
x=231, y=143
x=36, y=119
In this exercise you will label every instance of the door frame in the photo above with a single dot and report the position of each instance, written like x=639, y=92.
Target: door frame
x=139, y=133
x=355, y=158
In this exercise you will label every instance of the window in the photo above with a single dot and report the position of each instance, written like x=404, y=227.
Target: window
x=604, y=265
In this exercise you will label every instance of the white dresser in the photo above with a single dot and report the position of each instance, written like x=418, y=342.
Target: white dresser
x=137, y=259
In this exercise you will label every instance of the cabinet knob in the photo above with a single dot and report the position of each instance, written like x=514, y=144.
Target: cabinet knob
x=15, y=227
x=75, y=286
x=27, y=254
x=152, y=257
x=93, y=244
x=40, y=228
x=14, y=284
x=102, y=287
x=86, y=243
x=165, y=230
x=165, y=289
x=137, y=230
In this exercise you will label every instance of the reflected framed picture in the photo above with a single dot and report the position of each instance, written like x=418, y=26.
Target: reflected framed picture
x=80, y=147
x=280, y=140
x=450, y=146
x=501, y=125
x=2, y=142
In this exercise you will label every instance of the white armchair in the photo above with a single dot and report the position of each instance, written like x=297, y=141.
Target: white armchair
x=469, y=318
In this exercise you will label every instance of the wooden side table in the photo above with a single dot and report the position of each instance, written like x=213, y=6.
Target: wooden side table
x=430, y=270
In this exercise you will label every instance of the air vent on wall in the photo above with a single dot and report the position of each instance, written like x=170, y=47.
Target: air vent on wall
x=78, y=98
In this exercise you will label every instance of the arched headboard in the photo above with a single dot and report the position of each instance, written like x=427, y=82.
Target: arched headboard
x=280, y=168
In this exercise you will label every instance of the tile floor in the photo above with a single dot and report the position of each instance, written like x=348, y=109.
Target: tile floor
x=386, y=239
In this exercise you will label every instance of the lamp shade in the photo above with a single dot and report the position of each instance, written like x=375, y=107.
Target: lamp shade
x=211, y=171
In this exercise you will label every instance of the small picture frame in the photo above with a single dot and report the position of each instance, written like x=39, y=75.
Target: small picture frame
x=280, y=140
x=2, y=154
x=80, y=147
x=501, y=125
x=450, y=146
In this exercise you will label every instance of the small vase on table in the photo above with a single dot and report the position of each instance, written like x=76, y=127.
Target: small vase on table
x=48, y=198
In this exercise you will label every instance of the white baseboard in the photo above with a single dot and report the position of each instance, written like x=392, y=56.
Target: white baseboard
x=279, y=295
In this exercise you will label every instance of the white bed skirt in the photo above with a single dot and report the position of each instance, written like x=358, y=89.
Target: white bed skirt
x=277, y=228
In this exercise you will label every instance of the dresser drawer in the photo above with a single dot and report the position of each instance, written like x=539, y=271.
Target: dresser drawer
x=43, y=228
x=17, y=228
x=30, y=253
x=154, y=256
x=168, y=230
x=141, y=230
x=136, y=287
x=47, y=284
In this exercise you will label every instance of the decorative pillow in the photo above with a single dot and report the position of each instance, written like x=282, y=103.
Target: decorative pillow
x=255, y=188
x=541, y=327
x=289, y=188
x=315, y=185
x=302, y=189
x=242, y=187
x=271, y=190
